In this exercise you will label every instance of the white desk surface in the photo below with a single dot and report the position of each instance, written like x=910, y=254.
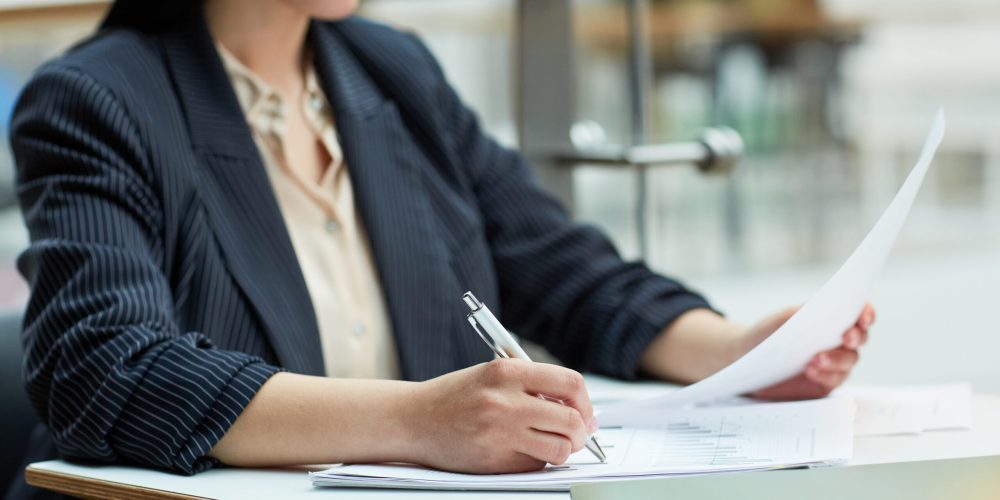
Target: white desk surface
x=982, y=440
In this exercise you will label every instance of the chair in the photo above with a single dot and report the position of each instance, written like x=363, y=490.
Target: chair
x=18, y=419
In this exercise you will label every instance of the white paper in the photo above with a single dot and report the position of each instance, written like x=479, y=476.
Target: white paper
x=684, y=441
x=817, y=326
x=910, y=409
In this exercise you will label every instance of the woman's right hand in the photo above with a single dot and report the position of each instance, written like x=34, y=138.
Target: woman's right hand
x=488, y=419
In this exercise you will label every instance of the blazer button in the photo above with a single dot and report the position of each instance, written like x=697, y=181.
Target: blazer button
x=316, y=102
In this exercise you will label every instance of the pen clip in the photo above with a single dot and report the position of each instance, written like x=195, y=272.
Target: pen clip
x=487, y=337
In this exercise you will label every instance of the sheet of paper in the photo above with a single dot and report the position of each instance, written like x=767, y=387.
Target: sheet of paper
x=817, y=326
x=910, y=409
x=684, y=441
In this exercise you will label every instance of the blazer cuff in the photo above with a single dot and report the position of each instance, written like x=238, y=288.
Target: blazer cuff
x=234, y=398
x=654, y=323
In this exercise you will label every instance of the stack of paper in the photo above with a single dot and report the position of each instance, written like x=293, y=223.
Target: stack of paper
x=685, y=441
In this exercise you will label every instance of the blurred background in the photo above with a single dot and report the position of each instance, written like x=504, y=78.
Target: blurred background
x=833, y=98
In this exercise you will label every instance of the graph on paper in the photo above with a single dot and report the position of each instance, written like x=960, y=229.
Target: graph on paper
x=759, y=435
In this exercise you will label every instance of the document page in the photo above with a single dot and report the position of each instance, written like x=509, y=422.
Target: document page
x=817, y=326
x=910, y=409
x=683, y=441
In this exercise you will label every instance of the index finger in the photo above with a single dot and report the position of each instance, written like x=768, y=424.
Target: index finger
x=867, y=317
x=560, y=383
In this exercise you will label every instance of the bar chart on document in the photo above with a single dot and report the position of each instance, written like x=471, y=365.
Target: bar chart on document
x=714, y=437
x=690, y=442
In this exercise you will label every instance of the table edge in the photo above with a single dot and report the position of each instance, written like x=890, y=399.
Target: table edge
x=87, y=487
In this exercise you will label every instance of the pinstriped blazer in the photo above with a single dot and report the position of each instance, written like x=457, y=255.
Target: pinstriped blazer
x=165, y=289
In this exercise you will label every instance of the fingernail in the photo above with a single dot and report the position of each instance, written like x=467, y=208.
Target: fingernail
x=592, y=425
x=824, y=360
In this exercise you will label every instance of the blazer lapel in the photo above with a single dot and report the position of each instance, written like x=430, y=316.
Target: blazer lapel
x=412, y=260
x=240, y=202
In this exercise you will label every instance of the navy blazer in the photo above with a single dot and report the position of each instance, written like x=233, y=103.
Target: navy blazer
x=165, y=288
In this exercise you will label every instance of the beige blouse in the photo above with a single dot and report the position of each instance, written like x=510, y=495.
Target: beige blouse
x=326, y=231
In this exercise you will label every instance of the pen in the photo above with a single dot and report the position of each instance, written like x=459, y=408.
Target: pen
x=503, y=345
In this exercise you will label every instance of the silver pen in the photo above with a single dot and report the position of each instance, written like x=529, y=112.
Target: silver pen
x=503, y=345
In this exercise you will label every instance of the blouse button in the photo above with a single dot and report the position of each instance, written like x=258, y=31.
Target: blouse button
x=358, y=329
x=316, y=102
x=330, y=226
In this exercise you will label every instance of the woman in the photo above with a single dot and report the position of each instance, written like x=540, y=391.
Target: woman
x=251, y=221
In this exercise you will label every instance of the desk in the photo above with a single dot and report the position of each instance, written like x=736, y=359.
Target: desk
x=132, y=482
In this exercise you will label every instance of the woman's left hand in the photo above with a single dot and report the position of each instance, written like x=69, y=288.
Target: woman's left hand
x=827, y=369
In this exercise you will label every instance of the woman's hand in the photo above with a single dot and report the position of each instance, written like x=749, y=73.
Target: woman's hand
x=827, y=369
x=488, y=418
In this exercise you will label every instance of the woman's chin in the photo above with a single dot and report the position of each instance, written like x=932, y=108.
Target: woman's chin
x=326, y=10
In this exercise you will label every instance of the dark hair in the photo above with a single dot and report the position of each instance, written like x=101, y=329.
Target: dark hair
x=148, y=15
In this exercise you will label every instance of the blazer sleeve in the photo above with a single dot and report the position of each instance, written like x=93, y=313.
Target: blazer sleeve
x=562, y=284
x=106, y=367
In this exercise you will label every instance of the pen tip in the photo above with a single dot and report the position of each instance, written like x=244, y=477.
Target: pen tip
x=596, y=449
